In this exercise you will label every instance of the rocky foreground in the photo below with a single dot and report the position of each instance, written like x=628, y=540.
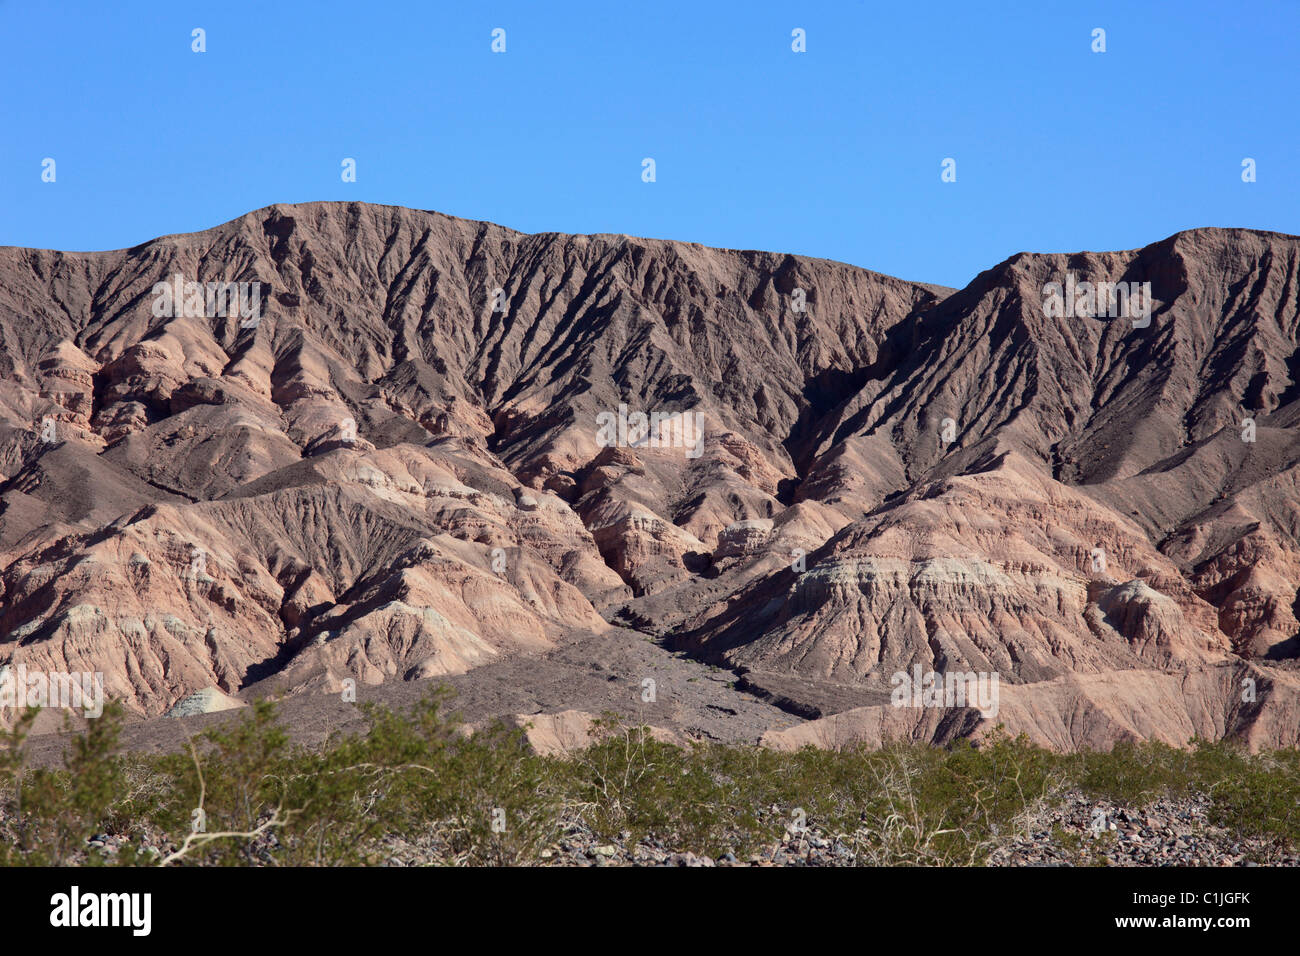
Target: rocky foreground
x=1166, y=832
x=419, y=447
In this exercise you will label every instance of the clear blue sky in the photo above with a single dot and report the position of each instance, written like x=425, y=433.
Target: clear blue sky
x=835, y=152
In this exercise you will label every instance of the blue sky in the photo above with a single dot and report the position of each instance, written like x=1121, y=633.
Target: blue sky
x=835, y=152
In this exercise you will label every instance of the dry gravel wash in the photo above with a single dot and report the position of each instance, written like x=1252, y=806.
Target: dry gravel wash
x=555, y=692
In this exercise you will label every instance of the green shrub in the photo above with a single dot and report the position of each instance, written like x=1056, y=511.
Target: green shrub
x=413, y=785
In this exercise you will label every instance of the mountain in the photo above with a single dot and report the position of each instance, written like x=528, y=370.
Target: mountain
x=419, y=452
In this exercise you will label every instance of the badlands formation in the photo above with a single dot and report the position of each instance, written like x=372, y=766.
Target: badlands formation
x=396, y=464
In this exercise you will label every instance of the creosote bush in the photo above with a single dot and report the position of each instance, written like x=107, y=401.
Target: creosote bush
x=412, y=784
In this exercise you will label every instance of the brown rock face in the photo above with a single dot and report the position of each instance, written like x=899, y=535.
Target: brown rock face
x=335, y=442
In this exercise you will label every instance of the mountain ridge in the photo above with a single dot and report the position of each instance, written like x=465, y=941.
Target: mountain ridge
x=395, y=474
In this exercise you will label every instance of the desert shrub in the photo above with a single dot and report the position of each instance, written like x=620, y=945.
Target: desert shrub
x=413, y=785
x=630, y=782
x=1261, y=799
x=408, y=776
x=53, y=813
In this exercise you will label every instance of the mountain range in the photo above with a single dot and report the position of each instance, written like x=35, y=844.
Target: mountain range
x=397, y=446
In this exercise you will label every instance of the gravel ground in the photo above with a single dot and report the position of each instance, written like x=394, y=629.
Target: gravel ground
x=1077, y=832
x=1163, y=833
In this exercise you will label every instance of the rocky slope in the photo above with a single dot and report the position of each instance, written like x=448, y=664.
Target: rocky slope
x=417, y=451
